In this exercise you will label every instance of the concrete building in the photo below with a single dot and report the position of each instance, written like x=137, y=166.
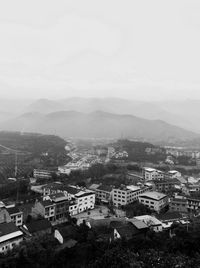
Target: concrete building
x=41, y=174
x=46, y=209
x=179, y=204
x=150, y=174
x=126, y=194
x=104, y=193
x=173, y=174
x=16, y=215
x=154, y=200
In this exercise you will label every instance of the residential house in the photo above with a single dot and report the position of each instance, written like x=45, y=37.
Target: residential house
x=45, y=208
x=10, y=236
x=154, y=200
x=65, y=233
x=16, y=215
x=153, y=223
x=38, y=227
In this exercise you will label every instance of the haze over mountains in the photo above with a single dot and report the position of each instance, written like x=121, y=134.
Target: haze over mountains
x=104, y=118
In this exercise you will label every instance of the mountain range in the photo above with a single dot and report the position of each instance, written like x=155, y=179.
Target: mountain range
x=104, y=118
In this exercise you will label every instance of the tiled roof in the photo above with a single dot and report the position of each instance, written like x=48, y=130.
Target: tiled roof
x=8, y=228
x=38, y=225
x=13, y=210
x=170, y=216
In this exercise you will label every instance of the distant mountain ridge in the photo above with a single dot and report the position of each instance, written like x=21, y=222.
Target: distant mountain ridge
x=98, y=124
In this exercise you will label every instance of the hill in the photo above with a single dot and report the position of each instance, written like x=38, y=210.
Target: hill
x=98, y=125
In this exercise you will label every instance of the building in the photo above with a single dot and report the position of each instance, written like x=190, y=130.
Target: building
x=154, y=200
x=85, y=201
x=38, y=227
x=126, y=194
x=193, y=205
x=104, y=193
x=10, y=236
x=153, y=223
x=150, y=174
x=173, y=174
x=16, y=215
x=179, y=204
x=166, y=185
x=46, y=209
x=42, y=174
x=65, y=233
x=169, y=218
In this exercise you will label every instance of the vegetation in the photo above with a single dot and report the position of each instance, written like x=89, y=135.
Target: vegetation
x=155, y=250
x=136, y=209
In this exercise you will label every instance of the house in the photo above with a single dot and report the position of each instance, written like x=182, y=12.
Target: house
x=126, y=194
x=44, y=208
x=154, y=200
x=125, y=230
x=169, y=218
x=38, y=227
x=153, y=223
x=10, y=236
x=16, y=215
x=65, y=233
x=4, y=215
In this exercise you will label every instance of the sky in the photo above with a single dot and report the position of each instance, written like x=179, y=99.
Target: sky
x=146, y=50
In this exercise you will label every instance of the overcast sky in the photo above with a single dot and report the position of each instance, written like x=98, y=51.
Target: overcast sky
x=97, y=48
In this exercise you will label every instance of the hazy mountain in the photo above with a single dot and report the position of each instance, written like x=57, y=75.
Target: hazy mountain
x=97, y=125
x=175, y=113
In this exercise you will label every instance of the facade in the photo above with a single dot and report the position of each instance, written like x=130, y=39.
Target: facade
x=104, y=193
x=85, y=201
x=166, y=185
x=41, y=174
x=46, y=209
x=150, y=174
x=193, y=205
x=179, y=205
x=16, y=216
x=154, y=200
x=10, y=236
x=126, y=195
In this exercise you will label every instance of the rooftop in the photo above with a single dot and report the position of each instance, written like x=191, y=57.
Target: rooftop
x=105, y=188
x=153, y=195
x=133, y=188
x=13, y=210
x=170, y=216
x=38, y=225
x=149, y=220
x=9, y=231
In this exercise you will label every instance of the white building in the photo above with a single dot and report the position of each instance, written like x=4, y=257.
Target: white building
x=126, y=194
x=151, y=222
x=150, y=174
x=154, y=200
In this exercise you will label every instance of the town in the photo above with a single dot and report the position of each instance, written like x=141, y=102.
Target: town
x=101, y=186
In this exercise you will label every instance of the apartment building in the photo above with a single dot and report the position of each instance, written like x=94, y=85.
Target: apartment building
x=126, y=194
x=150, y=174
x=154, y=200
x=166, y=185
x=193, y=205
x=104, y=193
x=45, y=208
x=42, y=174
x=179, y=204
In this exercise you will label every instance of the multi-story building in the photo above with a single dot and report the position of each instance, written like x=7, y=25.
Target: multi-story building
x=193, y=205
x=46, y=209
x=166, y=185
x=104, y=193
x=16, y=215
x=150, y=174
x=126, y=194
x=42, y=174
x=179, y=204
x=154, y=200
